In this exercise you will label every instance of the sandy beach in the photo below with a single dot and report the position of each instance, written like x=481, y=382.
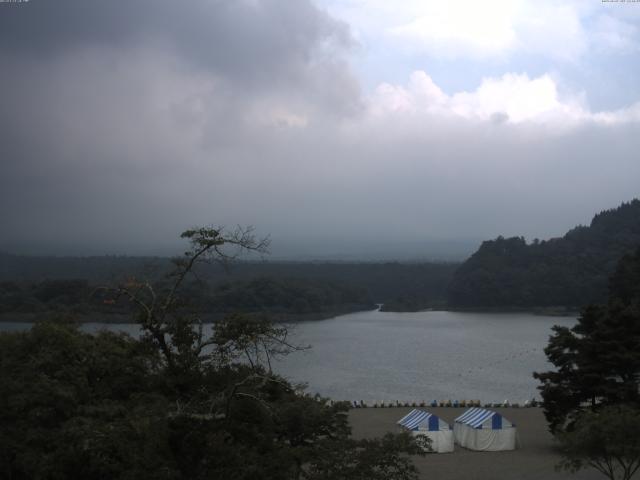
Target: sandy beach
x=535, y=459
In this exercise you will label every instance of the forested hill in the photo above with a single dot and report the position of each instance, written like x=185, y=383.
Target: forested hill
x=35, y=284
x=570, y=271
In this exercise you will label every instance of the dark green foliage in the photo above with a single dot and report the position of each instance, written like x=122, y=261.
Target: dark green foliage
x=606, y=440
x=74, y=405
x=70, y=403
x=598, y=360
x=425, y=283
x=569, y=271
x=287, y=295
x=260, y=295
x=624, y=285
x=62, y=291
x=289, y=289
x=96, y=269
x=184, y=401
x=364, y=460
x=48, y=295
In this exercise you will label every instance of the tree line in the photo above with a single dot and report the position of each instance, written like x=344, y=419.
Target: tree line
x=32, y=284
x=570, y=271
x=291, y=296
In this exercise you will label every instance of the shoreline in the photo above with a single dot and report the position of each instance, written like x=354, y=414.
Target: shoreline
x=127, y=318
x=557, y=311
x=540, y=311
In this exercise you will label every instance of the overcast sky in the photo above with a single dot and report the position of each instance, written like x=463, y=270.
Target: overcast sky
x=124, y=122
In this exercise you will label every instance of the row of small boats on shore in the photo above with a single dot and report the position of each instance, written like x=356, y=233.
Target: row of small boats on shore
x=445, y=403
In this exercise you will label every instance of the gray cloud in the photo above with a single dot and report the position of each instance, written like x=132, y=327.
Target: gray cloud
x=122, y=123
x=249, y=41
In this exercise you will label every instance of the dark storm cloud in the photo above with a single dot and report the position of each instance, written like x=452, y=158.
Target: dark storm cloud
x=122, y=123
x=250, y=41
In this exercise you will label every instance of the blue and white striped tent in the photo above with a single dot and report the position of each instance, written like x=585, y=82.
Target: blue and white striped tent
x=420, y=422
x=480, y=429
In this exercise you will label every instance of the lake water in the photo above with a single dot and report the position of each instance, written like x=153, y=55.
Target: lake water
x=384, y=356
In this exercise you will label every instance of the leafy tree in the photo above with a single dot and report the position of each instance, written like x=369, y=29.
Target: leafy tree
x=185, y=401
x=606, y=440
x=598, y=360
x=76, y=405
x=367, y=459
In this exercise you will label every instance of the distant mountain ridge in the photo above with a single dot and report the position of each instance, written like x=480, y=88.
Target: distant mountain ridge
x=570, y=271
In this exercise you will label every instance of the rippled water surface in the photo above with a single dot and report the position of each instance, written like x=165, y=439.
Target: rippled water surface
x=377, y=356
x=382, y=356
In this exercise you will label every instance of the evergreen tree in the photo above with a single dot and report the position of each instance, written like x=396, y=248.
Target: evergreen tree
x=598, y=360
x=570, y=271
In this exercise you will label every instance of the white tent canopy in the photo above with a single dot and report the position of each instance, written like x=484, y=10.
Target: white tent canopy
x=480, y=429
x=437, y=430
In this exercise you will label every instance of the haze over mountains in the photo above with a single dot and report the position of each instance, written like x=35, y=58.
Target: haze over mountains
x=373, y=249
x=568, y=271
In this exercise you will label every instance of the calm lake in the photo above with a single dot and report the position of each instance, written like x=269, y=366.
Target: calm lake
x=383, y=356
